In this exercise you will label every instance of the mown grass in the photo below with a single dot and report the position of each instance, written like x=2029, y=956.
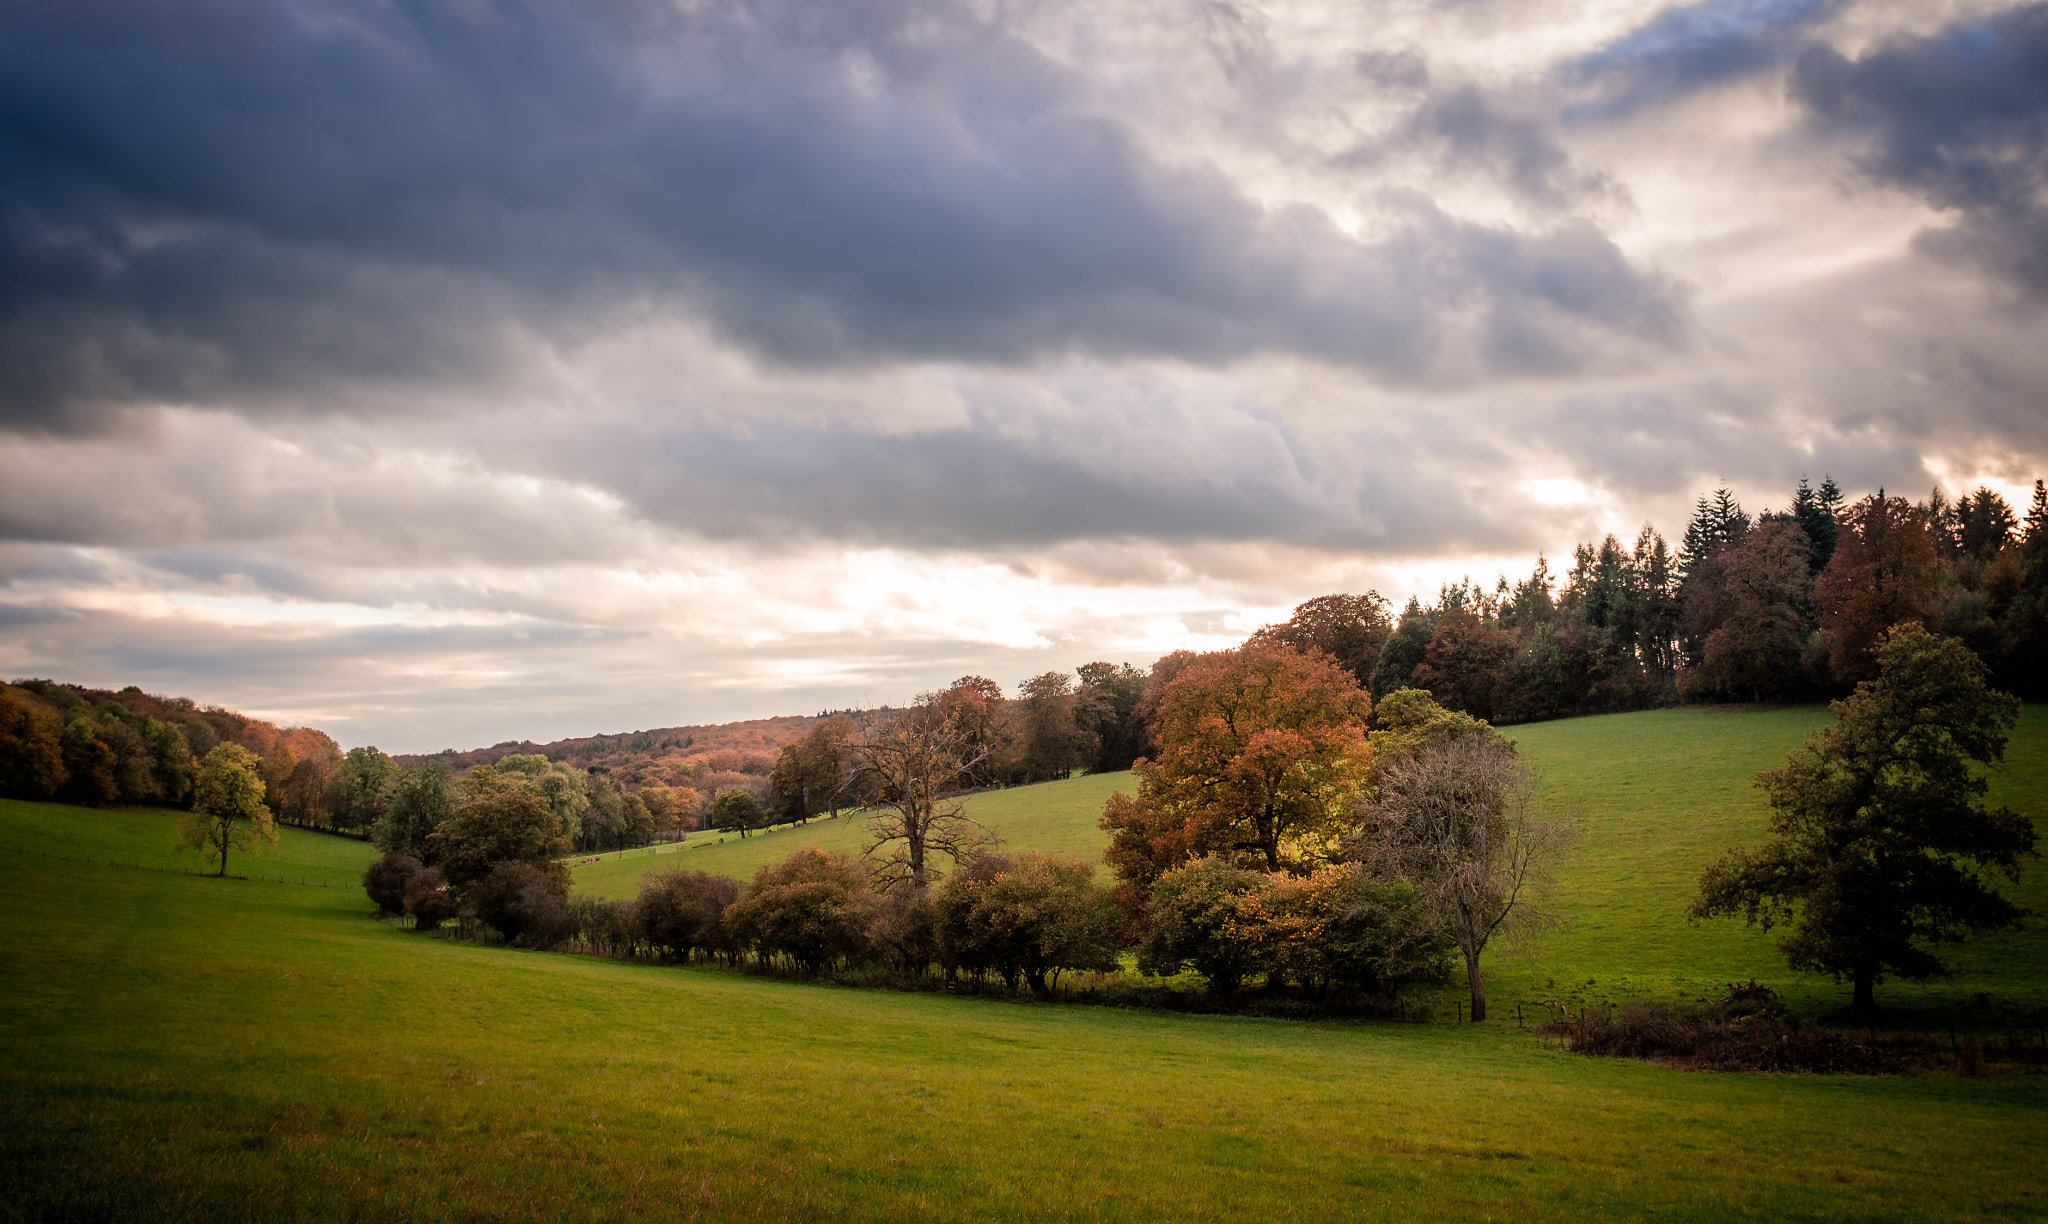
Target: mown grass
x=186, y=1048
x=183, y=1048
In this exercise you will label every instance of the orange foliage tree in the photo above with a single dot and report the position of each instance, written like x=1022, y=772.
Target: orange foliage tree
x=1262, y=751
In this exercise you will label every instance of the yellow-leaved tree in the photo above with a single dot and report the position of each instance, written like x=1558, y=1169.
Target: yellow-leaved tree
x=227, y=805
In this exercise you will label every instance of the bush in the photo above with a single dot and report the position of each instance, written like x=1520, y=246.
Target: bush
x=902, y=930
x=428, y=899
x=608, y=928
x=683, y=912
x=1746, y=1030
x=1032, y=916
x=1206, y=916
x=1340, y=928
x=524, y=903
x=812, y=907
x=386, y=879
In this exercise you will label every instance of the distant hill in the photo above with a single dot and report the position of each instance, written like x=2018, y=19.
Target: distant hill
x=707, y=758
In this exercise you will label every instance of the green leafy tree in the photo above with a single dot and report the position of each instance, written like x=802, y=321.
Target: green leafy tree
x=501, y=819
x=1883, y=848
x=811, y=908
x=1205, y=916
x=1032, y=917
x=737, y=811
x=422, y=798
x=1055, y=744
x=360, y=788
x=1109, y=709
x=227, y=806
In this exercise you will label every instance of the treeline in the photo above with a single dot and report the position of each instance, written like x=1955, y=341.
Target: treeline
x=1271, y=839
x=97, y=748
x=1783, y=605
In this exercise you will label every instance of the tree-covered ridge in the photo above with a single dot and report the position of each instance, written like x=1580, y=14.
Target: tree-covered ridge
x=98, y=747
x=1783, y=605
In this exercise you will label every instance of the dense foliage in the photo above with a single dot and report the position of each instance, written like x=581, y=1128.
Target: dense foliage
x=1883, y=848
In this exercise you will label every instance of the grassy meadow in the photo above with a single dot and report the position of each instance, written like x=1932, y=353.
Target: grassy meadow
x=178, y=1048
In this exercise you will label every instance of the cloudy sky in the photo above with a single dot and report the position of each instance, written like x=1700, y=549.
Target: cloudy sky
x=443, y=372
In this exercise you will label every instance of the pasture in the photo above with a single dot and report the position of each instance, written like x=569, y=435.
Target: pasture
x=187, y=1048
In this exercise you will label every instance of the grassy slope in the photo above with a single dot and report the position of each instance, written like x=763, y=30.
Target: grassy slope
x=1054, y=817
x=183, y=1048
x=1656, y=796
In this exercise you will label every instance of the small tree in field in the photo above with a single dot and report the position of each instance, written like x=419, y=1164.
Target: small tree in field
x=227, y=806
x=1882, y=842
x=1453, y=819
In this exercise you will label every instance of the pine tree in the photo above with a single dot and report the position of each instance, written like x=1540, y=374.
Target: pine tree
x=1817, y=517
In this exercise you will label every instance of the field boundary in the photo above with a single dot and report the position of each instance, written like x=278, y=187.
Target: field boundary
x=95, y=860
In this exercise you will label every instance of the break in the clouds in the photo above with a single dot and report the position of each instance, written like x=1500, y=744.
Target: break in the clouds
x=444, y=372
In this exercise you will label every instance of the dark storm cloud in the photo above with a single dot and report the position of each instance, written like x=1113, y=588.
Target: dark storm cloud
x=1959, y=118
x=229, y=201
x=1691, y=47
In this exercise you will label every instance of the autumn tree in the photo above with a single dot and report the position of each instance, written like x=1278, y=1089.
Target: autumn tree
x=811, y=908
x=1882, y=846
x=1452, y=817
x=1748, y=606
x=31, y=751
x=978, y=724
x=227, y=806
x=1884, y=572
x=1261, y=752
x=910, y=764
x=813, y=776
x=1351, y=629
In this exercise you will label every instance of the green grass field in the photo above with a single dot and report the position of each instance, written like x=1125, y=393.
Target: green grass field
x=185, y=1048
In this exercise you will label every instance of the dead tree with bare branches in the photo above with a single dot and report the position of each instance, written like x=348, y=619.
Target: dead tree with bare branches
x=910, y=765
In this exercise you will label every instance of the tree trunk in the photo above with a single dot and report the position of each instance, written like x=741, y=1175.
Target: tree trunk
x=222, y=874
x=1865, y=1000
x=1478, y=990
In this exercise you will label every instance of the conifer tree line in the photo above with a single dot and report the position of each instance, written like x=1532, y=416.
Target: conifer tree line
x=1783, y=605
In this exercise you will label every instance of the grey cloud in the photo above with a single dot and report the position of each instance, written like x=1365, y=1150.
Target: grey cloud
x=232, y=202
x=1959, y=118
x=1688, y=48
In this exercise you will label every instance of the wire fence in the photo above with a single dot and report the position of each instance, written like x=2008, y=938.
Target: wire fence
x=162, y=869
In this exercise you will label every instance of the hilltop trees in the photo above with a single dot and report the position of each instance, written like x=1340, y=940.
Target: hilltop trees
x=1882, y=845
x=421, y=797
x=1352, y=629
x=1884, y=572
x=1261, y=750
x=813, y=776
x=227, y=806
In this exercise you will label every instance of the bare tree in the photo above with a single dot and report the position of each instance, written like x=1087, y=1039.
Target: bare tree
x=909, y=764
x=1454, y=820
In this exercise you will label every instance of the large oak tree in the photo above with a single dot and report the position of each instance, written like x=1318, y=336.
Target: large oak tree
x=1883, y=847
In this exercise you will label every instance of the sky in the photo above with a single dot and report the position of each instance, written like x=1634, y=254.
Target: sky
x=443, y=373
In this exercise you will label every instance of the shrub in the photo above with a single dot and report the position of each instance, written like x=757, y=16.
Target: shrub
x=812, y=907
x=683, y=912
x=1206, y=916
x=1340, y=928
x=1032, y=916
x=386, y=879
x=608, y=928
x=428, y=899
x=524, y=903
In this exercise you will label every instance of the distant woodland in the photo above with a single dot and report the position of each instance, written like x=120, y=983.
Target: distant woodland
x=1784, y=604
